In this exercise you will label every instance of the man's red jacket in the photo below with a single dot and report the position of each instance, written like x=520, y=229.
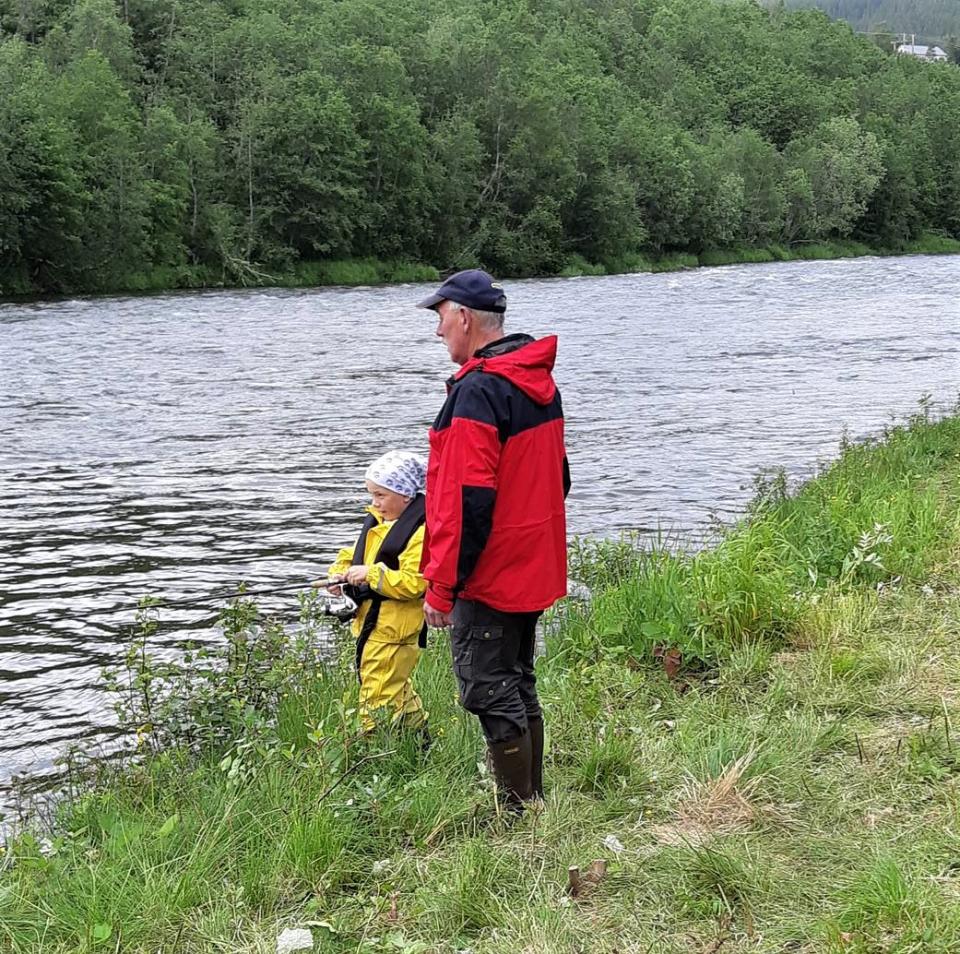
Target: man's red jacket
x=496, y=482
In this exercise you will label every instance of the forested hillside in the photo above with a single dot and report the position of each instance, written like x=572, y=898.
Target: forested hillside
x=149, y=142
x=931, y=20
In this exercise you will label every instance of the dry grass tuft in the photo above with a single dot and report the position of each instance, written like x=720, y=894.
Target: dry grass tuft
x=721, y=802
x=717, y=806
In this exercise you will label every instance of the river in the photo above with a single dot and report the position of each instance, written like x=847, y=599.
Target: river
x=181, y=443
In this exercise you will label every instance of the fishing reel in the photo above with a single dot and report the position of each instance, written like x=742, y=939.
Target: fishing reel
x=341, y=606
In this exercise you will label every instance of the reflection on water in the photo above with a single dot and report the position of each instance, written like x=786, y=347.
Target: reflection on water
x=182, y=443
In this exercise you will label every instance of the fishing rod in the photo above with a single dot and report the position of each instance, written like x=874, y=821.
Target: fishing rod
x=267, y=591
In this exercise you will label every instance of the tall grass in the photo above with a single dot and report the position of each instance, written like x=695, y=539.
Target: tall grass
x=675, y=262
x=360, y=271
x=930, y=243
x=627, y=263
x=735, y=256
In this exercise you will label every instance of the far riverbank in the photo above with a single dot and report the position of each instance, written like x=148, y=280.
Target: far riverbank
x=363, y=272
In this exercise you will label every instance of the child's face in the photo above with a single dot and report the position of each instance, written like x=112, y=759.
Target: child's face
x=387, y=503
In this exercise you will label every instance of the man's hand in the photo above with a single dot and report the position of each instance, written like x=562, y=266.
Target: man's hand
x=435, y=618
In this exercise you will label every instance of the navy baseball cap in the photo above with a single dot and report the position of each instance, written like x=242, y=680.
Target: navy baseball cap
x=473, y=288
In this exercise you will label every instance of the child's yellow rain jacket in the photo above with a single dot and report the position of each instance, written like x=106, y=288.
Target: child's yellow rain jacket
x=387, y=659
x=401, y=614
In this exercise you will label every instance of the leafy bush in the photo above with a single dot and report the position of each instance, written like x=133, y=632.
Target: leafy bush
x=577, y=265
x=216, y=695
x=735, y=256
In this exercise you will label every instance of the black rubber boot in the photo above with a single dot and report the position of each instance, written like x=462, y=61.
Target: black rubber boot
x=424, y=738
x=535, y=731
x=511, y=769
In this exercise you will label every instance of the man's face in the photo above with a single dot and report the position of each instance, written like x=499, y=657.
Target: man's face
x=453, y=326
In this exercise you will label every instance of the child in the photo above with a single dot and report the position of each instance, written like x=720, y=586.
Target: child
x=383, y=573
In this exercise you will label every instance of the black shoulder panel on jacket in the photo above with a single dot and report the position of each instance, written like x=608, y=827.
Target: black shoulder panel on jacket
x=493, y=400
x=472, y=397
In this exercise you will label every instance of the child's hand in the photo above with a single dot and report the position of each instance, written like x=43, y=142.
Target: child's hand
x=357, y=574
x=325, y=584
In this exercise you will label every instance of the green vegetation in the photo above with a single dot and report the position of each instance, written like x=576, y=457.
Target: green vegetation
x=154, y=143
x=794, y=787
x=925, y=244
x=876, y=515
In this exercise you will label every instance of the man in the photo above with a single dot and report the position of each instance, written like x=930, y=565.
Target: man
x=495, y=551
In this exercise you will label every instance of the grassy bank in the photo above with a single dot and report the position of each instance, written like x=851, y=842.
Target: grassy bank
x=356, y=271
x=371, y=271
x=928, y=244
x=759, y=739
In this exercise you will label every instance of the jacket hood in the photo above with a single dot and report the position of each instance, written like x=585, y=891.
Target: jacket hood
x=524, y=361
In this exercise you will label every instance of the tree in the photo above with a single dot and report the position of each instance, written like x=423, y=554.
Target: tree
x=658, y=156
x=385, y=113
x=298, y=161
x=455, y=168
x=41, y=197
x=237, y=137
x=843, y=166
x=759, y=167
x=952, y=48
x=94, y=25
x=167, y=183
x=90, y=99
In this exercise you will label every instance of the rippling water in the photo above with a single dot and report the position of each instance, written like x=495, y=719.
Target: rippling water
x=179, y=444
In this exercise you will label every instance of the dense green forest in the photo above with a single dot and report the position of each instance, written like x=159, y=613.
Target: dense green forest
x=150, y=143
x=931, y=20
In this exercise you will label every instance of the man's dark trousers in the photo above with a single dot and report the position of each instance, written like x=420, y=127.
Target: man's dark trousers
x=493, y=663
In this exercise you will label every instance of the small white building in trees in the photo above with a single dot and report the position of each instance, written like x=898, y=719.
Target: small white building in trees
x=921, y=52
